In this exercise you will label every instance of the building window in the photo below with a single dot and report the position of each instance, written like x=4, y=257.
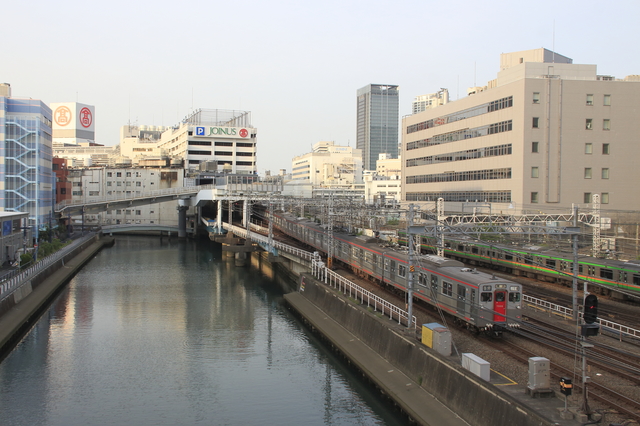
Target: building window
x=587, y=172
x=606, y=124
x=118, y=174
x=534, y=197
x=534, y=172
x=605, y=149
x=587, y=197
x=109, y=183
x=604, y=198
x=589, y=99
x=109, y=174
x=589, y=124
x=607, y=100
x=588, y=148
x=605, y=173
x=536, y=97
x=535, y=147
x=536, y=122
x=128, y=174
x=63, y=190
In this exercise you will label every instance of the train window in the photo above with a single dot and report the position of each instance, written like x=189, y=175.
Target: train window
x=514, y=288
x=514, y=297
x=434, y=283
x=551, y=263
x=508, y=257
x=422, y=280
x=636, y=279
x=622, y=277
x=500, y=296
x=402, y=270
x=472, y=297
x=591, y=270
x=345, y=249
x=447, y=288
x=486, y=297
x=354, y=251
x=606, y=273
x=486, y=288
x=367, y=257
x=386, y=264
x=474, y=250
x=393, y=266
x=460, y=247
x=375, y=259
x=500, y=286
x=528, y=259
x=462, y=292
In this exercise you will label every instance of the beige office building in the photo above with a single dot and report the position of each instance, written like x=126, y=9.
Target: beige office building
x=546, y=133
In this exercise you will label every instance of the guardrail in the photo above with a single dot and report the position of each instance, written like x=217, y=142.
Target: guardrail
x=612, y=327
x=254, y=236
x=10, y=284
x=321, y=272
x=143, y=194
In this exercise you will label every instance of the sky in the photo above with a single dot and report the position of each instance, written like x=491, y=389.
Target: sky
x=295, y=65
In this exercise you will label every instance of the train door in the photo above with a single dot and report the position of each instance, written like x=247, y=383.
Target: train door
x=462, y=300
x=500, y=305
x=473, y=304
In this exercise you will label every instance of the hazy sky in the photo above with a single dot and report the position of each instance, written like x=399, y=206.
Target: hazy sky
x=296, y=65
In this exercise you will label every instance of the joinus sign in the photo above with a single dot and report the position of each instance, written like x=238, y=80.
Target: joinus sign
x=221, y=132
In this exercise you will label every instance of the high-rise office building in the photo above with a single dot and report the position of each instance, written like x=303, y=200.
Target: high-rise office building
x=26, y=178
x=378, y=117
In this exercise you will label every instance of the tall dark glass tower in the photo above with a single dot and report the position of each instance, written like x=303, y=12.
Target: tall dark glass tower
x=378, y=118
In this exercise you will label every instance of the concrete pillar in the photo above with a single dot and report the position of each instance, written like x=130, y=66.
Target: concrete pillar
x=182, y=219
x=219, y=219
x=245, y=212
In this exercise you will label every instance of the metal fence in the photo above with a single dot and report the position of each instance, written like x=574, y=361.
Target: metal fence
x=610, y=326
x=321, y=272
x=12, y=281
x=254, y=236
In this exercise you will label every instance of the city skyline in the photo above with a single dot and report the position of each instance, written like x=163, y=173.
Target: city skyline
x=296, y=68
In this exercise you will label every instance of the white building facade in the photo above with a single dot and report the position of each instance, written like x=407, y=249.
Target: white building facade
x=546, y=133
x=329, y=164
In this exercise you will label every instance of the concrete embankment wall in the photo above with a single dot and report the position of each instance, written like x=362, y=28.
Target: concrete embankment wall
x=21, y=309
x=474, y=400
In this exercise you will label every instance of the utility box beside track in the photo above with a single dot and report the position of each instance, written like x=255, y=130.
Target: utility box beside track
x=437, y=337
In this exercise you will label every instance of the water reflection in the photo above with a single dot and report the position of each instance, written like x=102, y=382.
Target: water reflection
x=170, y=333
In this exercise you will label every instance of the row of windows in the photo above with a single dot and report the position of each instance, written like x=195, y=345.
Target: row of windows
x=462, y=196
x=458, y=135
x=588, y=148
x=587, y=198
x=606, y=124
x=127, y=174
x=470, y=154
x=606, y=100
x=222, y=163
x=461, y=115
x=588, y=172
x=470, y=175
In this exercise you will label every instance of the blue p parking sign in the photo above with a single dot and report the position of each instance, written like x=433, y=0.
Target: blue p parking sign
x=199, y=131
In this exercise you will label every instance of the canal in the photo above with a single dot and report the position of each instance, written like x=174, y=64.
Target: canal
x=155, y=332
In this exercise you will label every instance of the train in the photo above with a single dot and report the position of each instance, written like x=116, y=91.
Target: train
x=607, y=277
x=477, y=300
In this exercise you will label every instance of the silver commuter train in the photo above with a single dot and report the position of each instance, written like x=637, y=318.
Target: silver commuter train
x=478, y=300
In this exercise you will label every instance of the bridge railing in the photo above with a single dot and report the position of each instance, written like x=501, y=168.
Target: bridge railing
x=10, y=284
x=143, y=194
x=351, y=289
x=610, y=326
x=254, y=236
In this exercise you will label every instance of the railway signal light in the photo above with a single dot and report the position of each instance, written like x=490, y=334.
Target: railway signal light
x=590, y=309
x=566, y=386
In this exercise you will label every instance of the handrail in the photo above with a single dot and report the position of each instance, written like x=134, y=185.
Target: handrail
x=8, y=286
x=254, y=236
x=568, y=313
x=321, y=272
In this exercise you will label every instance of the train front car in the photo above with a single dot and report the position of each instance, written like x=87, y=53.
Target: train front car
x=485, y=303
x=500, y=306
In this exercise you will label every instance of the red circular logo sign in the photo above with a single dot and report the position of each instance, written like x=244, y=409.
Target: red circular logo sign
x=86, y=118
x=62, y=116
x=244, y=133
